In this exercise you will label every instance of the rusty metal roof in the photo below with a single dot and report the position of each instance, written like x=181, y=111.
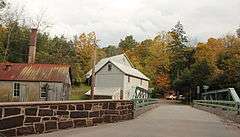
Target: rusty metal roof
x=34, y=72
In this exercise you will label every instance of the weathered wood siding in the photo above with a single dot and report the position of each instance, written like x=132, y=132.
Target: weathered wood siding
x=31, y=91
x=113, y=78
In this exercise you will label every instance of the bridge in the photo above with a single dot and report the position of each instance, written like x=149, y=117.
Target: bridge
x=167, y=120
x=123, y=118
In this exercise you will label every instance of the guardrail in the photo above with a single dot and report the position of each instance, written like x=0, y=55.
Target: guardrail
x=233, y=105
x=226, y=105
x=140, y=102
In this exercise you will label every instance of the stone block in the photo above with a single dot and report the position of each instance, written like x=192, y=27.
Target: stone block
x=53, y=107
x=11, y=111
x=25, y=131
x=120, y=107
x=123, y=103
x=107, y=118
x=79, y=114
x=112, y=105
x=62, y=107
x=50, y=125
x=45, y=112
x=94, y=114
x=102, y=112
x=79, y=107
x=71, y=107
x=115, y=118
x=130, y=106
x=46, y=118
x=65, y=124
x=62, y=112
x=89, y=122
x=32, y=111
x=43, y=106
x=39, y=128
x=105, y=105
x=32, y=119
x=54, y=118
x=11, y=122
x=9, y=133
x=80, y=122
x=88, y=106
x=115, y=112
x=97, y=120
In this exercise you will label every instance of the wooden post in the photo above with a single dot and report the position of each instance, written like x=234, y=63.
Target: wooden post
x=121, y=94
x=93, y=70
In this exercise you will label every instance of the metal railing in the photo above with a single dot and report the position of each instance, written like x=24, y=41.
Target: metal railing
x=233, y=105
x=141, y=102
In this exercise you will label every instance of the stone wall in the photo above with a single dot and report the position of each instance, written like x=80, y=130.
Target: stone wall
x=226, y=114
x=17, y=119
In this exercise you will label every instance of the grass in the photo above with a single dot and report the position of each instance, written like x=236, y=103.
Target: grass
x=78, y=92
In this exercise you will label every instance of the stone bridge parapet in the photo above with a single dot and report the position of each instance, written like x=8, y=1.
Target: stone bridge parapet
x=23, y=118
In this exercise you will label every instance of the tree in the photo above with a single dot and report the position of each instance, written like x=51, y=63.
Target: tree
x=128, y=43
x=238, y=32
x=2, y=4
x=111, y=50
x=179, y=38
x=180, y=53
x=153, y=59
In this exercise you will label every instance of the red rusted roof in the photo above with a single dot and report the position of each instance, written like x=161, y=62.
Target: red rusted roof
x=34, y=72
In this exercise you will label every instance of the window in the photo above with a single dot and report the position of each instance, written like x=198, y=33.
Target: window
x=109, y=67
x=16, y=89
x=128, y=78
x=44, y=91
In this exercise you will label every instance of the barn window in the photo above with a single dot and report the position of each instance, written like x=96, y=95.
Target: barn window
x=109, y=67
x=44, y=91
x=128, y=78
x=16, y=89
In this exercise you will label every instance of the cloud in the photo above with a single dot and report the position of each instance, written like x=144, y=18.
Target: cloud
x=114, y=19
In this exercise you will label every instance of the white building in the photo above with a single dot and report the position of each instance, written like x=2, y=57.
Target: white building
x=116, y=78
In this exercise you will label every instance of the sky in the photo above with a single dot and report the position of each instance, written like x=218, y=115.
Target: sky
x=112, y=20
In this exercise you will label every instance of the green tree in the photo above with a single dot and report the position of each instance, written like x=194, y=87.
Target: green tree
x=111, y=50
x=238, y=32
x=178, y=38
x=128, y=43
x=2, y=4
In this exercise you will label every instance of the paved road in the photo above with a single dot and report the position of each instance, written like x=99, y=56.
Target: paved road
x=164, y=121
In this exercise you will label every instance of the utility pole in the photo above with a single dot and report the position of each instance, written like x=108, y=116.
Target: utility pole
x=94, y=58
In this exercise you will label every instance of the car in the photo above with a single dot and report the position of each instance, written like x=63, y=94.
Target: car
x=171, y=97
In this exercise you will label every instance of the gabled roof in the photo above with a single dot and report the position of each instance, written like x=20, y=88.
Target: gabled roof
x=130, y=71
x=121, y=62
x=34, y=72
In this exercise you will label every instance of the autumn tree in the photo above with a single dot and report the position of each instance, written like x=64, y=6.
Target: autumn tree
x=84, y=47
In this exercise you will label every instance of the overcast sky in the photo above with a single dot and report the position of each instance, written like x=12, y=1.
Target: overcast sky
x=114, y=19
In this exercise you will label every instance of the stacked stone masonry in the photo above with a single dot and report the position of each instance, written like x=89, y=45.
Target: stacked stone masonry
x=17, y=119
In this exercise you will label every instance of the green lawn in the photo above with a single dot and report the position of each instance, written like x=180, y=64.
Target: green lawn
x=78, y=92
